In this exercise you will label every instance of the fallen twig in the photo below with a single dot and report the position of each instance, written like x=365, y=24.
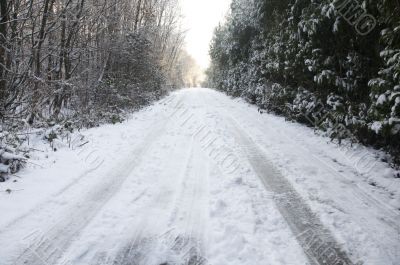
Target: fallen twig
x=83, y=144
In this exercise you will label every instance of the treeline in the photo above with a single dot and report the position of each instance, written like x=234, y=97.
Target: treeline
x=85, y=60
x=331, y=64
x=68, y=64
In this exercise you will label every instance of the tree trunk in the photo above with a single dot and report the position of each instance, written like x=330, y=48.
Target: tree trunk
x=137, y=16
x=3, y=54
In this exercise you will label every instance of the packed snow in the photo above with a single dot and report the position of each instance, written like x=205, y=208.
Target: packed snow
x=174, y=184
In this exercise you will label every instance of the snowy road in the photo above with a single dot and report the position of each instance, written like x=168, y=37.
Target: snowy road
x=196, y=179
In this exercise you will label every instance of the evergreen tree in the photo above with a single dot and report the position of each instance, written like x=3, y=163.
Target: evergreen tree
x=294, y=55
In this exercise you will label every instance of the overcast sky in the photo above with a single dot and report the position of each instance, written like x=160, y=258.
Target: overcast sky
x=200, y=18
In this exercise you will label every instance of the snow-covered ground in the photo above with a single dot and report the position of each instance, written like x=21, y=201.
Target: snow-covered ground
x=200, y=178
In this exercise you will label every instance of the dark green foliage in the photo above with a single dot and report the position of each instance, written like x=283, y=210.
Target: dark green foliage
x=291, y=56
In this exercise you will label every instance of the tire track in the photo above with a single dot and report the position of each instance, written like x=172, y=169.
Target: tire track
x=384, y=213
x=180, y=240
x=50, y=245
x=392, y=216
x=170, y=100
x=138, y=250
x=317, y=242
x=188, y=247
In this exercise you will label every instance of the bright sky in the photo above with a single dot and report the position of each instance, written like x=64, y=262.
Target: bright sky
x=201, y=17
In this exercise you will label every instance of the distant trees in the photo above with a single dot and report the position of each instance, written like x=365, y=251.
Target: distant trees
x=191, y=72
x=289, y=55
x=85, y=56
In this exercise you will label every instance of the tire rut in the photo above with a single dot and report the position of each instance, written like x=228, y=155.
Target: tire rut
x=182, y=243
x=317, y=241
x=392, y=216
x=48, y=246
x=189, y=243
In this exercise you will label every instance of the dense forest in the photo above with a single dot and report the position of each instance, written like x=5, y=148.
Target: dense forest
x=78, y=63
x=330, y=64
